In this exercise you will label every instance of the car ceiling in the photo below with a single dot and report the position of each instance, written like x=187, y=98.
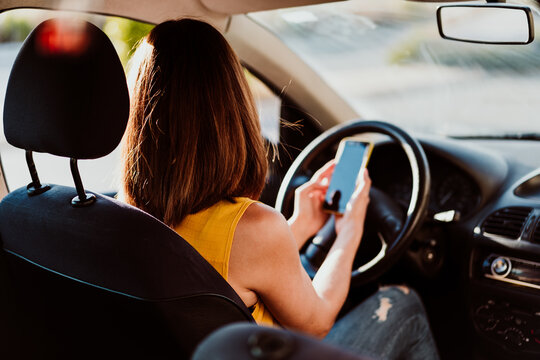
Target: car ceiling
x=214, y=11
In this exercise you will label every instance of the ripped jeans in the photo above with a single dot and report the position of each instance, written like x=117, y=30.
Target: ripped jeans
x=391, y=324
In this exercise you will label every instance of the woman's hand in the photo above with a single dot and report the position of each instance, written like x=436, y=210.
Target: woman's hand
x=355, y=214
x=308, y=216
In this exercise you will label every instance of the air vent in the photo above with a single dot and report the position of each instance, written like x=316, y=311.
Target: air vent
x=507, y=222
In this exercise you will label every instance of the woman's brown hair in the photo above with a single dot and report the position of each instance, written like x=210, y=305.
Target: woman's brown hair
x=193, y=136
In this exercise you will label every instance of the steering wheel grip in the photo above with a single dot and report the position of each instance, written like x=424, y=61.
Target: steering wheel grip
x=393, y=246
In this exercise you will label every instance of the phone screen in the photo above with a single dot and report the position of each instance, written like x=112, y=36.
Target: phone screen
x=352, y=156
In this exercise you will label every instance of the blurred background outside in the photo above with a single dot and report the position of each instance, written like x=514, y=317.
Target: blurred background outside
x=102, y=174
x=384, y=57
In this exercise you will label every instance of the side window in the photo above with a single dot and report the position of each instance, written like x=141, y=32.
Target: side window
x=100, y=175
x=268, y=106
x=269, y=110
x=286, y=127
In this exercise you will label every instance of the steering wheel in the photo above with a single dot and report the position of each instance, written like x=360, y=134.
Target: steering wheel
x=393, y=228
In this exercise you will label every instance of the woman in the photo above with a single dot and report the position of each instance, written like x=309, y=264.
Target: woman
x=194, y=158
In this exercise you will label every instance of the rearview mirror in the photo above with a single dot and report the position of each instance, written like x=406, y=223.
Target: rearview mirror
x=486, y=24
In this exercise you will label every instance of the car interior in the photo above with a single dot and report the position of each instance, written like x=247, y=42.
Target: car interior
x=108, y=257
x=454, y=210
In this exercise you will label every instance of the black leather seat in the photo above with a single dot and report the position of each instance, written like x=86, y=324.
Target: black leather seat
x=84, y=275
x=244, y=341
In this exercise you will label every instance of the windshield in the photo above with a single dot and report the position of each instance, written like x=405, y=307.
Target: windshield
x=388, y=61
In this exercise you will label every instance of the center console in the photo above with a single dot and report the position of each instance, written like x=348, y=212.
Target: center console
x=505, y=303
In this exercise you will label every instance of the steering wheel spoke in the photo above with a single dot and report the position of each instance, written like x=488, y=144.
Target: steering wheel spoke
x=380, y=255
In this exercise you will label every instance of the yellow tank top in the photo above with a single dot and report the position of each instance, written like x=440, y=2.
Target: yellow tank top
x=211, y=233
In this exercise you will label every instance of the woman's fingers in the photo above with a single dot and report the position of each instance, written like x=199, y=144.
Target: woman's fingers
x=364, y=185
x=310, y=187
x=325, y=172
x=319, y=185
x=319, y=180
x=360, y=198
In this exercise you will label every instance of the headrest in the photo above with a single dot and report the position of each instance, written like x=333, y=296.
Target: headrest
x=67, y=93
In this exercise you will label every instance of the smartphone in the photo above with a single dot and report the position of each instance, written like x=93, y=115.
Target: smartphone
x=352, y=156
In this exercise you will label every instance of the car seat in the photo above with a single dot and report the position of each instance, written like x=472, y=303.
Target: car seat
x=245, y=341
x=85, y=275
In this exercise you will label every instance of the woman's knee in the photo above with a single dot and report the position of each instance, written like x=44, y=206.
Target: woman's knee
x=405, y=298
x=399, y=292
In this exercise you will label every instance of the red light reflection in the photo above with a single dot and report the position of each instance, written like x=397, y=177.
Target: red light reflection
x=65, y=36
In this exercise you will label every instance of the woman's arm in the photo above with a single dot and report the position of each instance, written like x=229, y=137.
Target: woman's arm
x=264, y=259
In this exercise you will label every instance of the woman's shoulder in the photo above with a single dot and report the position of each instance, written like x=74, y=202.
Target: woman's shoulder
x=263, y=226
x=262, y=236
x=261, y=215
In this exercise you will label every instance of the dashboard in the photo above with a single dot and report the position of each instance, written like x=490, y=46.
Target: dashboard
x=452, y=188
x=490, y=246
x=475, y=260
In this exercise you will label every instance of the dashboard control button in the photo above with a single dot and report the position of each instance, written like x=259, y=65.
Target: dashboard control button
x=486, y=318
x=515, y=337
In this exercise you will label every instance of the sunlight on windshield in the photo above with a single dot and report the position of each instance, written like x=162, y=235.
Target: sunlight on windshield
x=386, y=58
